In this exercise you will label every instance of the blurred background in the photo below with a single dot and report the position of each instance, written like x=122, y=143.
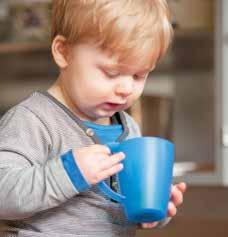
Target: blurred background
x=184, y=99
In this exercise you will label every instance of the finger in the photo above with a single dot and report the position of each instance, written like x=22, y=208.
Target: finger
x=101, y=148
x=149, y=225
x=182, y=187
x=170, y=195
x=176, y=196
x=110, y=161
x=172, y=210
x=111, y=171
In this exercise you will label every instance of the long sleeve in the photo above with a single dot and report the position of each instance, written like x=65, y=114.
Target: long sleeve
x=30, y=180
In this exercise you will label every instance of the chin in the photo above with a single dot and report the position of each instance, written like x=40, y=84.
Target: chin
x=105, y=114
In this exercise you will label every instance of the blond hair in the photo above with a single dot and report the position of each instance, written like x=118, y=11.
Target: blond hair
x=138, y=29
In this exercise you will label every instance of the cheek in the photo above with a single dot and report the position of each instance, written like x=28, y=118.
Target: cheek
x=135, y=96
x=138, y=90
x=98, y=86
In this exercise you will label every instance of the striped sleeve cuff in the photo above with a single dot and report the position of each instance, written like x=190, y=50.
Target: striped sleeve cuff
x=73, y=171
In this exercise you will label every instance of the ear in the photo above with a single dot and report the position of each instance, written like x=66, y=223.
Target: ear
x=60, y=51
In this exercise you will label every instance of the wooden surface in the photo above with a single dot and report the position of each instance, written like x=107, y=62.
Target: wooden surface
x=190, y=228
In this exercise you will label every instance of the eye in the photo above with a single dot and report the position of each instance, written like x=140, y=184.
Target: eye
x=140, y=77
x=111, y=73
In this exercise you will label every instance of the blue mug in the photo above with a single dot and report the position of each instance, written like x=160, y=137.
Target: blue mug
x=146, y=179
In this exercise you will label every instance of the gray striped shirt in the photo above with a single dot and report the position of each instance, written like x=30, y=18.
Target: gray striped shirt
x=37, y=198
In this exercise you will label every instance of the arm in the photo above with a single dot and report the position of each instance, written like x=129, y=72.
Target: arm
x=29, y=181
x=26, y=190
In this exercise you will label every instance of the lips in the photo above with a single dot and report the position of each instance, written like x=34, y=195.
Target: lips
x=113, y=106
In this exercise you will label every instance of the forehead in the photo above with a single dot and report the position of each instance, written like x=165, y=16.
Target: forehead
x=131, y=63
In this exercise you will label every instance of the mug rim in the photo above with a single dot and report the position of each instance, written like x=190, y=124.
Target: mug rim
x=150, y=137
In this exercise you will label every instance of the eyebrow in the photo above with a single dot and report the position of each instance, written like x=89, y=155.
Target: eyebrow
x=120, y=67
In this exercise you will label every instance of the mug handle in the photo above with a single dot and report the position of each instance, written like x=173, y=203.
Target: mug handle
x=104, y=188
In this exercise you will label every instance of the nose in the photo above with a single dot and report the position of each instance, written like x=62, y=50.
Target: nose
x=125, y=86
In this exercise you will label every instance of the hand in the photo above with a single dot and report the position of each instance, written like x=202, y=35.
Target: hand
x=96, y=163
x=176, y=200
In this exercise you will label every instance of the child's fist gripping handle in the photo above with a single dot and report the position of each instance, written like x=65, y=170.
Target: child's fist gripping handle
x=104, y=187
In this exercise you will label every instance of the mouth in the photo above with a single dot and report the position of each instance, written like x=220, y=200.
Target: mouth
x=113, y=106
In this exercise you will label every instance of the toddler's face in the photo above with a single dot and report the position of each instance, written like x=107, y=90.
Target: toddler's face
x=98, y=86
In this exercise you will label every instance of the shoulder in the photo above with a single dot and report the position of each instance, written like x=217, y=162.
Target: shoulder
x=38, y=104
x=30, y=108
x=40, y=109
x=134, y=130
x=24, y=117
